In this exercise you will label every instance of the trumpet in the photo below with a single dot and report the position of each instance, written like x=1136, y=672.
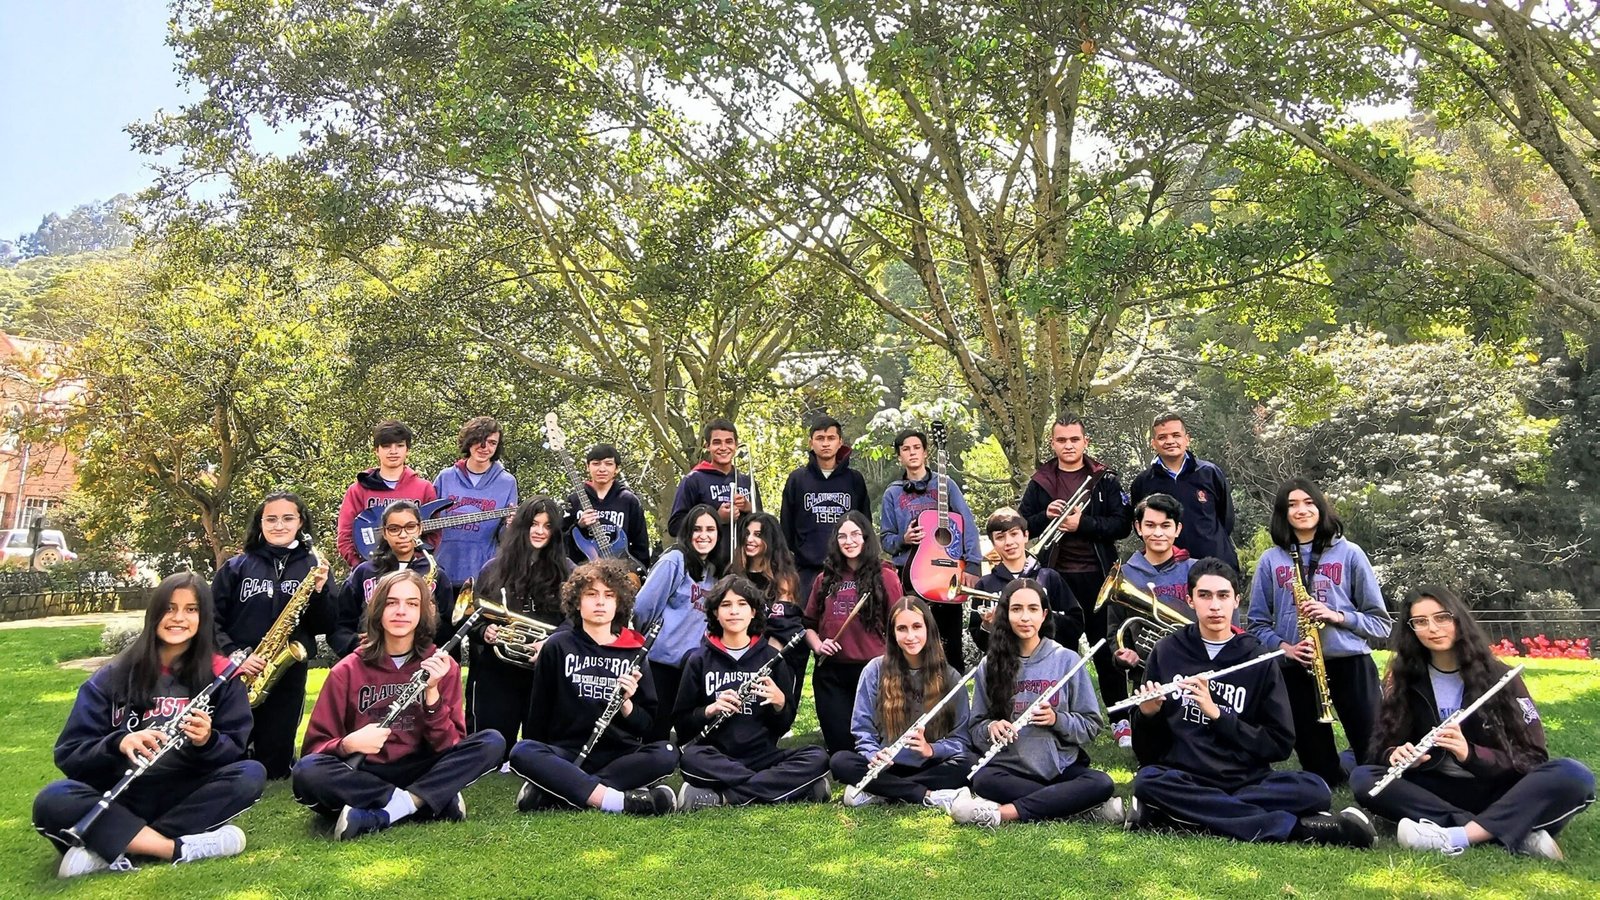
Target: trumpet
x=516, y=635
x=1077, y=503
x=990, y=598
x=1140, y=631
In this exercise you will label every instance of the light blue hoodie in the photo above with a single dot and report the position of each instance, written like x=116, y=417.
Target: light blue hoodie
x=1344, y=581
x=669, y=594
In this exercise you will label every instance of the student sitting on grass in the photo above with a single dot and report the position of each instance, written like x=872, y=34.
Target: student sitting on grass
x=740, y=761
x=578, y=670
x=1488, y=778
x=895, y=690
x=177, y=809
x=420, y=764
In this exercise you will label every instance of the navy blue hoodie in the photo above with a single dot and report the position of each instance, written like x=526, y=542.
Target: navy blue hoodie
x=620, y=512
x=814, y=504
x=710, y=670
x=705, y=484
x=251, y=590
x=573, y=678
x=1256, y=728
x=1202, y=490
x=87, y=750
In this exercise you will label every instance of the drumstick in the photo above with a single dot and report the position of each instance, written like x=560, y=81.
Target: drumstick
x=848, y=619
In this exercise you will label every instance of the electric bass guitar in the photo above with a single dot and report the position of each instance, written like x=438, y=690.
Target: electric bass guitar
x=368, y=526
x=937, y=564
x=607, y=540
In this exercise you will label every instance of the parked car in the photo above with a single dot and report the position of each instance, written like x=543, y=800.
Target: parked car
x=17, y=549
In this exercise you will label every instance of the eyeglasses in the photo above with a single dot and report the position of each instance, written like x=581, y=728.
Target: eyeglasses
x=413, y=528
x=1439, y=620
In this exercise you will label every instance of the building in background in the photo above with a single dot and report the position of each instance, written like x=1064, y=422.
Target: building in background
x=35, y=474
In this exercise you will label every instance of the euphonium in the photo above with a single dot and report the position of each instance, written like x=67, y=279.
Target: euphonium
x=275, y=646
x=515, y=633
x=1152, y=619
x=1311, y=630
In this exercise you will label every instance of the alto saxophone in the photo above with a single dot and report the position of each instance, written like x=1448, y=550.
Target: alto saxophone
x=275, y=646
x=1311, y=630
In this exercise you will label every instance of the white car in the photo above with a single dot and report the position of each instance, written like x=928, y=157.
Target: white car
x=18, y=550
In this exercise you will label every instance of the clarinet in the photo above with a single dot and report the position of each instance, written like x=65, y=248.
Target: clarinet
x=1432, y=737
x=417, y=687
x=1175, y=686
x=748, y=689
x=614, y=702
x=174, y=739
x=893, y=750
x=1021, y=722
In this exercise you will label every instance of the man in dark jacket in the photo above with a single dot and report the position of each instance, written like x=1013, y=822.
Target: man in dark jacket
x=1197, y=483
x=816, y=497
x=1087, y=548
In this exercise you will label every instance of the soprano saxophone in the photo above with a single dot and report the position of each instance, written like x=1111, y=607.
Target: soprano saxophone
x=1311, y=630
x=275, y=647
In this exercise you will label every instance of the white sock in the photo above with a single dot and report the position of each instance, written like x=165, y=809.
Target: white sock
x=1458, y=837
x=399, y=806
x=612, y=801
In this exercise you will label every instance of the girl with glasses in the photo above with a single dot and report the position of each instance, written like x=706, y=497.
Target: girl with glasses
x=1488, y=778
x=399, y=548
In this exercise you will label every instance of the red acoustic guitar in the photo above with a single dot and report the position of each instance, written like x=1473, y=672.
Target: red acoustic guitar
x=935, y=570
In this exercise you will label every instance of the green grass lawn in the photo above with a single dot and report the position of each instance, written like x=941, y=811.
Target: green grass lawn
x=793, y=851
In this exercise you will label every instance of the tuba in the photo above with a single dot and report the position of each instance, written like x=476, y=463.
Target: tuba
x=516, y=634
x=1151, y=620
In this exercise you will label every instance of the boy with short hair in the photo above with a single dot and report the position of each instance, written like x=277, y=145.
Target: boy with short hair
x=1206, y=758
x=816, y=497
x=710, y=481
x=1009, y=534
x=1158, y=520
x=390, y=480
x=616, y=508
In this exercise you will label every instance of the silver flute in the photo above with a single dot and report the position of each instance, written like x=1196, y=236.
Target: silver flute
x=1420, y=748
x=891, y=751
x=1174, y=688
x=1021, y=721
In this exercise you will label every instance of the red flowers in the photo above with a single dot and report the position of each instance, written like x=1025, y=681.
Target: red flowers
x=1542, y=647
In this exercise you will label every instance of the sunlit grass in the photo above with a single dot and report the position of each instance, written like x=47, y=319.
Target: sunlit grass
x=798, y=851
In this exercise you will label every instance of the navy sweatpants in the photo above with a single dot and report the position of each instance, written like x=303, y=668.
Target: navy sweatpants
x=833, y=687
x=1353, y=687
x=907, y=784
x=327, y=784
x=1264, y=810
x=173, y=805
x=1547, y=797
x=666, y=680
x=498, y=694
x=277, y=720
x=551, y=769
x=1076, y=789
x=769, y=778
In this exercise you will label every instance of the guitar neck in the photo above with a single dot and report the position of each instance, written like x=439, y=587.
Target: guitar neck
x=944, y=496
x=602, y=539
x=482, y=515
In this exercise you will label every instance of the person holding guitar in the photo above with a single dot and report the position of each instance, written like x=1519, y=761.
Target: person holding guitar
x=477, y=481
x=910, y=514
x=390, y=480
x=816, y=497
x=603, y=503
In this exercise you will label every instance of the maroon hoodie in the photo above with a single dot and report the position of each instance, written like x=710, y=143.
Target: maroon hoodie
x=824, y=615
x=369, y=489
x=359, y=693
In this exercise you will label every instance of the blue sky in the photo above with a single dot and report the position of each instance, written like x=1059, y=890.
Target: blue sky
x=73, y=73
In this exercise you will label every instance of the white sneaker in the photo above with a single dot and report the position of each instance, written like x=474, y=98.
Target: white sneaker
x=1540, y=844
x=854, y=798
x=941, y=799
x=969, y=809
x=1422, y=834
x=225, y=841
x=1123, y=732
x=1111, y=812
x=83, y=861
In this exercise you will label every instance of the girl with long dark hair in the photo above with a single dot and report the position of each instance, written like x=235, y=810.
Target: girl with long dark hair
x=251, y=591
x=177, y=810
x=1488, y=778
x=400, y=547
x=740, y=762
x=675, y=592
x=1310, y=554
x=1043, y=772
x=771, y=567
x=895, y=690
x=846, y=622
x=419, y=765
x=525, y=575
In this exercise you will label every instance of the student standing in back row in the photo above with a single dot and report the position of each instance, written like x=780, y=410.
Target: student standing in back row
x=476, y=482
x=616, y=509
x=817, y=496
x=1196, y=483
x=710, y=482
x=381, y=485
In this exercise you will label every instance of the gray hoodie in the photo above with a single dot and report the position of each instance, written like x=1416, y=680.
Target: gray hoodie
x=1041, y=753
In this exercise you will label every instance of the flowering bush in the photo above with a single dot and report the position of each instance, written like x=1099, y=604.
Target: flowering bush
x=1544, y=648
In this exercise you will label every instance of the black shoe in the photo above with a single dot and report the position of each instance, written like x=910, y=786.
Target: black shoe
x=1358, y=828
x=1339, y=831
x=656, y=801
x=531, y=798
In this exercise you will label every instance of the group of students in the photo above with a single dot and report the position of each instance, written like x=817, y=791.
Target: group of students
x=707, y=679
